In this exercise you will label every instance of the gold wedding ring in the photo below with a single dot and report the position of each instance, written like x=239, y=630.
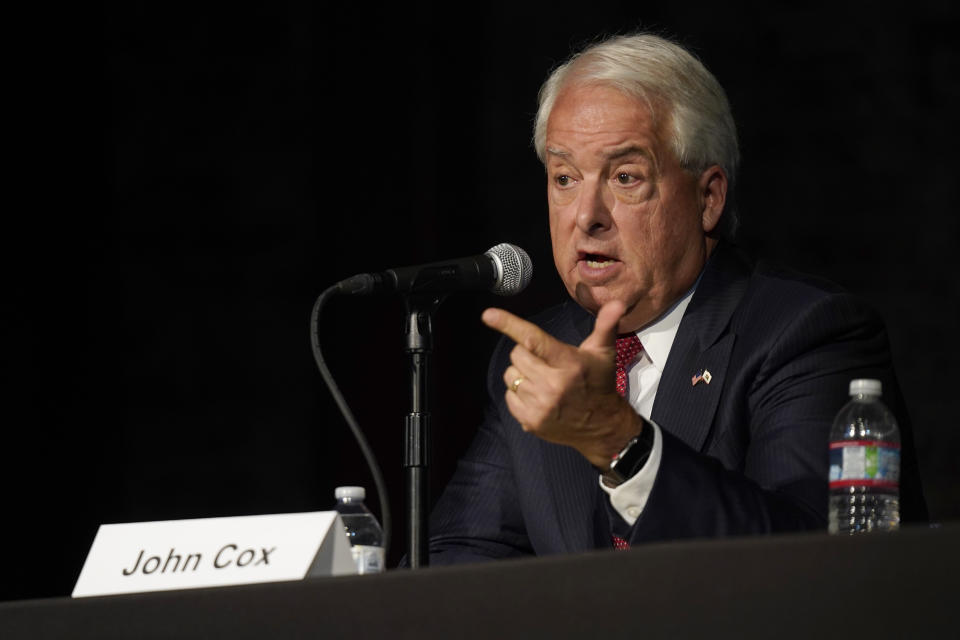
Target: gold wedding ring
x=516, y=384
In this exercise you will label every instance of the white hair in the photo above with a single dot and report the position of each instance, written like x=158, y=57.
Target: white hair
x=665, y=76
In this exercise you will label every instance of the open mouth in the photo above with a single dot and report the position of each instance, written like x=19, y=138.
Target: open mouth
x=597, y=260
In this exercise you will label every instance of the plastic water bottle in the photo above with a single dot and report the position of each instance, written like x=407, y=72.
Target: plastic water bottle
x=864, y=464
x=363, y=530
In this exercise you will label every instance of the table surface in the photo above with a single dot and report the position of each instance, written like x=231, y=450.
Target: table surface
x=800, y=585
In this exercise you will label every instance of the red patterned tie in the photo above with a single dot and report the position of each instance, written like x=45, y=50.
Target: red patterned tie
x=627, y=350
x=619, y=543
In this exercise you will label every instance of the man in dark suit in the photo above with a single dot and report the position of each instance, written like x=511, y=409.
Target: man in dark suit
x=683, y=391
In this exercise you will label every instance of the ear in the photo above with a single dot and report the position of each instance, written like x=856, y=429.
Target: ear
x=712, y=188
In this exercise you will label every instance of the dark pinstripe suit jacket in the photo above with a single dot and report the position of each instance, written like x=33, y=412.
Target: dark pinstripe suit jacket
x=744, y=454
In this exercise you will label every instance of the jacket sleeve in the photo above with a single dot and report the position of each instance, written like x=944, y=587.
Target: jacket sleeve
x=478, y=516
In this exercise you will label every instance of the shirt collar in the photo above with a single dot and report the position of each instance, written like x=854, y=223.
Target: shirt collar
x=657, y=337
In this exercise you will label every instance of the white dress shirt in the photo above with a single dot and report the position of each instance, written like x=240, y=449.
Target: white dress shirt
x=643, y=378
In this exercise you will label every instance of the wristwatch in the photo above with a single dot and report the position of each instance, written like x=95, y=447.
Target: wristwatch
x=630, y=459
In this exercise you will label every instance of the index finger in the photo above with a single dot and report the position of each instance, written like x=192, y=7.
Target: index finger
x=528, y=335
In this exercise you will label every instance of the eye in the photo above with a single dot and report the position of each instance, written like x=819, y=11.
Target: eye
x=563, y=180
x=625, y=178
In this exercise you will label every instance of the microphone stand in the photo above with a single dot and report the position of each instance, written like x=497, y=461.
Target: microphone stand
x=418, y=332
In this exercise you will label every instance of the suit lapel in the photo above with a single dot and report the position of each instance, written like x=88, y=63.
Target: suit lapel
x=685, y=406
x=686, y=409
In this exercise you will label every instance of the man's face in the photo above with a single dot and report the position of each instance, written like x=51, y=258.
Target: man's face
x=626, y=221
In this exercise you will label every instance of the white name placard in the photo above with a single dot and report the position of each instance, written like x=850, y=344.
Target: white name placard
x=212, y=552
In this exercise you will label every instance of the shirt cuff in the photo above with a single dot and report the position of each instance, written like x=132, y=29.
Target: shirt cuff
x=630, y=498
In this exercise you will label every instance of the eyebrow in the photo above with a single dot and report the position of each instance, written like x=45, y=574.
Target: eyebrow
x=613, y=154
x=628, y=150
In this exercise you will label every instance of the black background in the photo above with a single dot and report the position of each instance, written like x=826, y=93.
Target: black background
x=187, y=178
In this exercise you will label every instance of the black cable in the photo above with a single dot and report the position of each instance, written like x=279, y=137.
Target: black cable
x=348, y=414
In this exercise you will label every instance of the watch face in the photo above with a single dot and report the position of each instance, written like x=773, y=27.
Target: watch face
x=633, y=457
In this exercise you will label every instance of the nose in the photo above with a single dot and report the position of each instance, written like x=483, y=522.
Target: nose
x=594, y=208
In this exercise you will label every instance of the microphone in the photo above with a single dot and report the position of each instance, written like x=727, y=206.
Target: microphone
x=505, y=270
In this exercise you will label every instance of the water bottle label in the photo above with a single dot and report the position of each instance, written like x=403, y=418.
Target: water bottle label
x=864, y=463
x=369, y=559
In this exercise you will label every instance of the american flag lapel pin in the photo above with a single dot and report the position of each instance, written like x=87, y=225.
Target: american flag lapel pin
x=703, y=375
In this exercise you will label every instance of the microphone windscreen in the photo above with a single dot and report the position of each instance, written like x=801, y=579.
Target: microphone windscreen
x=516, y=270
